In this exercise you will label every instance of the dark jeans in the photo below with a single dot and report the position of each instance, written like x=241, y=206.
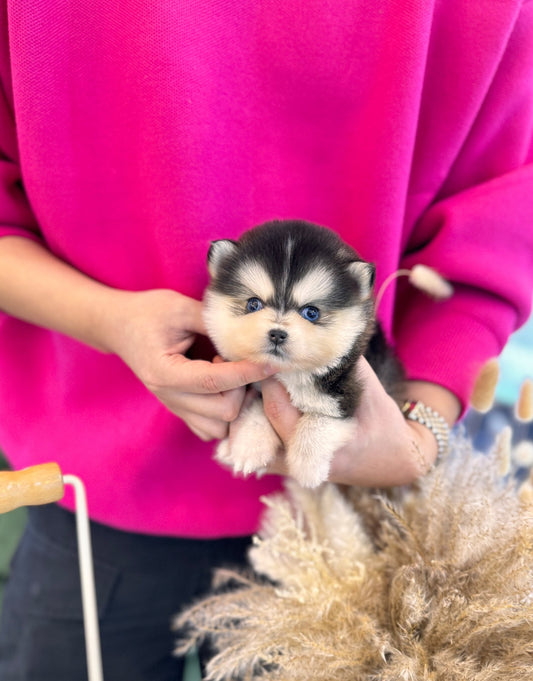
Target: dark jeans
x=141, y=582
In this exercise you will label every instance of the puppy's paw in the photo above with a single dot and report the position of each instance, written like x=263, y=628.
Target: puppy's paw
x=313, y=445
x=222, y=453
x=308, y=474
x=253, y=444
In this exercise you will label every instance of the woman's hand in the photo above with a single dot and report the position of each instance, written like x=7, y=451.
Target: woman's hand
x=386, y=449
x=151, y=331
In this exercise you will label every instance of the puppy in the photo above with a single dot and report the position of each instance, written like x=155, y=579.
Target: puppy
x=293, y=294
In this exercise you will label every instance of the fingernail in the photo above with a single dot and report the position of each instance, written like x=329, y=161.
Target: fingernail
x=269, y=369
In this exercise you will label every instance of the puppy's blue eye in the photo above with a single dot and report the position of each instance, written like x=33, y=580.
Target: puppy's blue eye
x=311, y=313
x=253, y=305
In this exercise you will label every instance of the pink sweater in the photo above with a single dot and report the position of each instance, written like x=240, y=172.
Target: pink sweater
x=131, y=134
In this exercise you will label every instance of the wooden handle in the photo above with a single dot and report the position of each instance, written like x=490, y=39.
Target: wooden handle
x=41, y=484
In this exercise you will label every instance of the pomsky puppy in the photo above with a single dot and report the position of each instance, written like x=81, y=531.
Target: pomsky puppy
x=293, y=294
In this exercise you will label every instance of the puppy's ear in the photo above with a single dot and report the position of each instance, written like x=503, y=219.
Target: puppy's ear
x=365, y=273
x=217, y=251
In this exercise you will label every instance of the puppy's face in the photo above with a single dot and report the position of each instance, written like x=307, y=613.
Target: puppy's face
x=295, y=297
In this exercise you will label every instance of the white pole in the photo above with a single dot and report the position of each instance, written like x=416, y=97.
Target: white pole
x=88, y=591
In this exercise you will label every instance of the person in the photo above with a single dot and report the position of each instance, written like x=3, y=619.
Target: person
x=133, y=134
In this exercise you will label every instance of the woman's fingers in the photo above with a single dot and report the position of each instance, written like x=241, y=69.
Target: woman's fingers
x=383, y=450
x=202, y=377
x=205, y=428
x=221, y=406
x=281, y=413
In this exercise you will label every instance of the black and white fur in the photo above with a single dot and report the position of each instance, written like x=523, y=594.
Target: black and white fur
x=293, y=294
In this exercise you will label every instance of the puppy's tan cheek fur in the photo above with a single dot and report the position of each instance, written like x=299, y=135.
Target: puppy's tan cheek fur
x=235, y=336
x=309, y=346
x=346, y=326
x=305, y=345
x=235, y=339
x=247, y=336
x=315, y=345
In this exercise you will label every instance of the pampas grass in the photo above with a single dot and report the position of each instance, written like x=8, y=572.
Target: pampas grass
x=522, y=453
x=431, y=282
x=524, y=406
x=422, y=277
x=482, y=398
x=430, y=583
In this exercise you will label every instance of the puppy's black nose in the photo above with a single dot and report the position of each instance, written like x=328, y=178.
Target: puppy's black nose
x=277, y=336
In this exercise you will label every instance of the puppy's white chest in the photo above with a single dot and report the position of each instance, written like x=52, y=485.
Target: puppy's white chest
x=305, y=394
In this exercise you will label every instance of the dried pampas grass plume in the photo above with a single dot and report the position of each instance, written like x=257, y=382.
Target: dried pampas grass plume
x=482, y=398
x=502, y=451
x=422, y=277
x=522, y=454
x=430, y=281
x=430, y=583
x=525, y=493
x=524, y=406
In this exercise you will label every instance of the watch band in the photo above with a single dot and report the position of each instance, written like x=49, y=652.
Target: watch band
x=415, y=410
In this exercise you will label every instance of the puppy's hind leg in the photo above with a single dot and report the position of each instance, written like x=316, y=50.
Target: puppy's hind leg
x=253, y=443
x=313, y=445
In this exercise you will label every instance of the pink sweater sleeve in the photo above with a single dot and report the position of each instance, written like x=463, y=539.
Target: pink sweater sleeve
x=483, y=243
x=16, y=216
x=478, y=234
